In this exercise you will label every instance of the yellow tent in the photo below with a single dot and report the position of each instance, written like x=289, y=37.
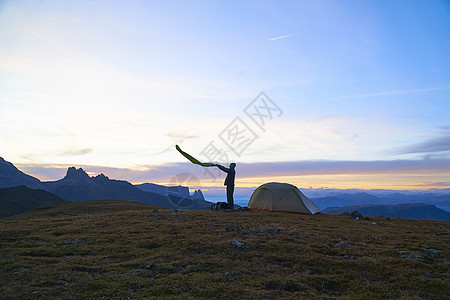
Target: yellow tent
x=281, y=197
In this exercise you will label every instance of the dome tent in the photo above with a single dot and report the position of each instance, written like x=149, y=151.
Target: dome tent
x=281, y=197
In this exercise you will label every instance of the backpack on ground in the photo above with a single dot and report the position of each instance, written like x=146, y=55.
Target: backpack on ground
x=220, y=206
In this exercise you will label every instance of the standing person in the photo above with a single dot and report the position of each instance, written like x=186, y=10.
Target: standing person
x=229, y=182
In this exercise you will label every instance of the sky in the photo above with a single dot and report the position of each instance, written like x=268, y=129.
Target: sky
x=322, y=94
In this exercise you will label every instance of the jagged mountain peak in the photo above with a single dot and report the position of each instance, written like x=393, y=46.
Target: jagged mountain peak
x=4, y=162
x=101, y=177
x=74, y=173
x=198, y=195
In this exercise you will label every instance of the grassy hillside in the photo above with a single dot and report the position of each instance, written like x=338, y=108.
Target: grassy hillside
x=19, y=199
x=126, y=250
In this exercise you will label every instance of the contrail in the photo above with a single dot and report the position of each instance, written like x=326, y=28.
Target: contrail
x=282, y=37
x=397, y=92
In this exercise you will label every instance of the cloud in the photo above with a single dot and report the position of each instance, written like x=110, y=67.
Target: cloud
x=433, y=145
x=440, y=144
x=77, y=152
x=341, y=167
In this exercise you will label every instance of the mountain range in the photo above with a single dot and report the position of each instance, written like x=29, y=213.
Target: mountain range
x=362, y=198
x=410, y=211
x=77, y=186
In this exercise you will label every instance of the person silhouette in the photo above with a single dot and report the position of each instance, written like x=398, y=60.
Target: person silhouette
x=229, y=182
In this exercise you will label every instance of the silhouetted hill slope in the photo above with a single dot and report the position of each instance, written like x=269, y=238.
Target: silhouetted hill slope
x=77, y=186
x=127, y=250
x=10, y=176
x=409, y=211
x=20, y=199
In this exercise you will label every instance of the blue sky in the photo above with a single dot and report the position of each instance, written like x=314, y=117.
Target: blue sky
x=113, y=85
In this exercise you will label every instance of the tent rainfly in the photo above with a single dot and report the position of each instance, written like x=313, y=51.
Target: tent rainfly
x=281, y=197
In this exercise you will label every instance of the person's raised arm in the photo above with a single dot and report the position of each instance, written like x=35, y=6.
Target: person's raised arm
x=222, y=168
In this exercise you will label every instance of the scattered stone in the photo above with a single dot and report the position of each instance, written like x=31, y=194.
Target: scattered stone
x=238, y=244
x=308, y=271
x=356, y=215
x=342, y=243
x=431, y=251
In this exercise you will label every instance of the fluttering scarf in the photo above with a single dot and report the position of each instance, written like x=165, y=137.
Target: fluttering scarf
x=193, y=159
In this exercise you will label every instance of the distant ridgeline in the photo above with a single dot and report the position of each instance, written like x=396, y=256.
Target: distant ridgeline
x=77, y=186
x=339, y=199
x=409, y=210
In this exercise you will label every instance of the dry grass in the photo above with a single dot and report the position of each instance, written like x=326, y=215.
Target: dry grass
x=123, y=250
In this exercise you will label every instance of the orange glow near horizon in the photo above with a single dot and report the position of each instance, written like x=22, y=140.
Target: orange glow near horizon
x=343, y=181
